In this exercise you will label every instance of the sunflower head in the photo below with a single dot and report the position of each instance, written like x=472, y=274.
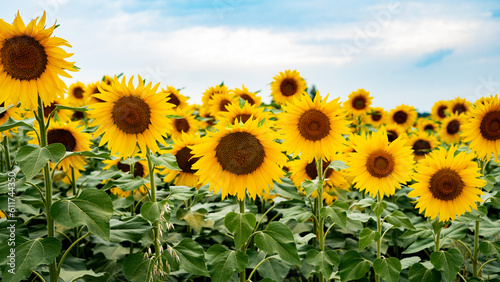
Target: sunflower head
x=439, y=110
x=175, y=98
x=394, y=131
x=131, y=115
x=212, y=92
x=286, y=86
x=427, y=124
x=422, y=143
x=404, y=116
x=185, y=159
x=459, y=106
x=76, y=94
x=447, y=184
x=376, y=117
x=184, y=122
x=451, y=127
x=250, y=97
x=358, y=103
x=237, y=113
x=219, y=103
x=31, y=62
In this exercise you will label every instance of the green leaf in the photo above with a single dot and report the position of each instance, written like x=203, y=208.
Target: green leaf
x=495, y=200
x=181, y=193
x=78, y=109
x=273, y=270
x=195, y=219
x=241, y=225
x=419, y=244
x=338, y=215
x=420, y=273
x=399, y=219
x=449, y=262
x=136, y=267
x=12, y=123
x=286, y=189
x=29, y=256
x=388, y=268
x=152, y=211
x=92, y=208
x=366, y=237
x=111, y=252
x=408, y=262
x=295, y=212
x=126, y=183
x=338, y=165
x=323, y=261
x=32, y=158
x=456, y=231
x=223, y=262
x=175, y=116
x=166, y=160
x=310, y=186
x=131, y=230
x=490, y=182
x=95, y=153
x=490, y=248
x=192, y=257
x=353, y=266
x=278, y=238
x=378, y=207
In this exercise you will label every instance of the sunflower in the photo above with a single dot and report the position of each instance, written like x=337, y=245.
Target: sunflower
x=394, y=131
x=358, y=103
x=287, y=85
x=31, y=62
x=236, y=113
x=447, y=185
x=177, y=99
x=250, y=97
x=439, y=109
x=60, y=115
x=450, y=128
x=238, y=158
x=483, y=99
x=377, y=166
x=140, y=170
x=73, y=139
x=422, y=144
x=218, y=104
x=459, y=106
x=403, y=115
x=184, y=156
x=208, y=120
x=76, y=95
x=106, y=79
x=211, y=92
x=426, y=124
x=313, y=128
x=131, y=115
x=93, y=88
x=185, y=122
x=482, y=129
x=376, y=117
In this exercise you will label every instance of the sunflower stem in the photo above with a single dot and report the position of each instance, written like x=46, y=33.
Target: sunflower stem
x=319, y=206
x=241, y=204
x=379, y=241
x=73, y=189
x=8, y=161
x=156, y=228
x=437, y=238
x=48, y=186
x=132, y=209
x=475, y=261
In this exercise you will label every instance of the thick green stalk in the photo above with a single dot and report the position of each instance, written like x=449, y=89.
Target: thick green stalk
x=319, y=206
x=379, y=241
x=156, y=229
x=437, y=240
x=8, y=161
x=242, y=211
x=475, y=261
x=48, y=186
x=73, y=189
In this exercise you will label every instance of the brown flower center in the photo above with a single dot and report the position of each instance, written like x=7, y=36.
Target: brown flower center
x=490, y=126
x=400, y=117
x=23, y=58
x=78, y=115
x=421, y=147
x=312, y=171
x=376, y=116
x=446, y=184
x=174, y=99
x=453, y=127
x=392, y=135
x=181, y=125
x=241, y=117
x=185, y=160
x=429, y=127
x=380, y=164
x=440, y=111
x=223, y=104
x=459, y=108
x=359, y=103
x=49, y=109
x=138, y=168
x=78, y=92
x=240, y=153
x=62, y=136
x=131, y=114
x=314, y=125
x=247, y=98
x=4, y=111
x=288, y=87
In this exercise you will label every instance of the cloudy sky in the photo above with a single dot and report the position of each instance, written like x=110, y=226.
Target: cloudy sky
x=403, y=52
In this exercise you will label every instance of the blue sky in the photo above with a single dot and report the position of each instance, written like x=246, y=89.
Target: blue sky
x=403, y=52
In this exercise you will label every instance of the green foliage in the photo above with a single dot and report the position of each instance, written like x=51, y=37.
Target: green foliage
x=388, y=268
x=241, y=225
x=353, y=266
x=448, y=262
x=32, y=158
x=278, y=238
x=420, y=273
x=223, y=263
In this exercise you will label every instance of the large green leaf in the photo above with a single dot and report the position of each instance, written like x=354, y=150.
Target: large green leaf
x=310, y=186
x=388, y=269
x=131, y=230
x=29, y=256
x=408, y=262
x=448, y=262
x=192, y=257
x=278, y=238
x=223, y=263
x=338, y=215
x=378, y=207
x=12, y=123
x=274, y=269
x=153, y=211
x=166, y=160
x=490, y=248
x=92, y=208
x=366, y=237
x=399, y=219
x=297, y=213
x=323, y=262
x=419, y=244
x=32, y=158
x=420, y=273
x=353, y=266
x=241, y=225
x=126, y=183
x=136, y=268
x=95, y=153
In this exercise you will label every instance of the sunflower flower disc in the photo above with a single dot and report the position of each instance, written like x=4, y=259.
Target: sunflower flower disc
x=31, y=62
x=447, y=185
x=131, y=115
x=358, y=103
x=239, y=158
x=377, y=166
x=313, y=129
x=185, y=159
x=286, y=86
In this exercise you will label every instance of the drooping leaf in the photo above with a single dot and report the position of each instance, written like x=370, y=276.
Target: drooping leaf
x=388, y=268
x=419, y=244
x=408, y=262
x=338, y=165
x=12, y=123
x=310, y=186
x=338, y=215
x=366, y=237
x=278, y=238
x=295, y=212
x=241, y=225
x=399, y=219
x=131, y=230
x=195, y=219
x=490, y=248
x=192, y=257
x=152, y=211
x=274, y=269
x=448, y=262
x=353, y=266
x=126, y=183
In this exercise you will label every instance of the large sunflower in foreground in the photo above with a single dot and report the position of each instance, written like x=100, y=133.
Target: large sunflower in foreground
x=185, y=160
x=313, y=129
x=439, y=110
x=482, y=129
x=238, y=158
x=131, y=115
x=31, y=62
x=377, y=166
x=451, y=127
x=447, y=185
x=403, y=115
x=286, y=86
x=358, y=103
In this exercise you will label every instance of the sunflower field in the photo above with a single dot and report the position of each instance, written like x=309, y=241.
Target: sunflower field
x=121, y=180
